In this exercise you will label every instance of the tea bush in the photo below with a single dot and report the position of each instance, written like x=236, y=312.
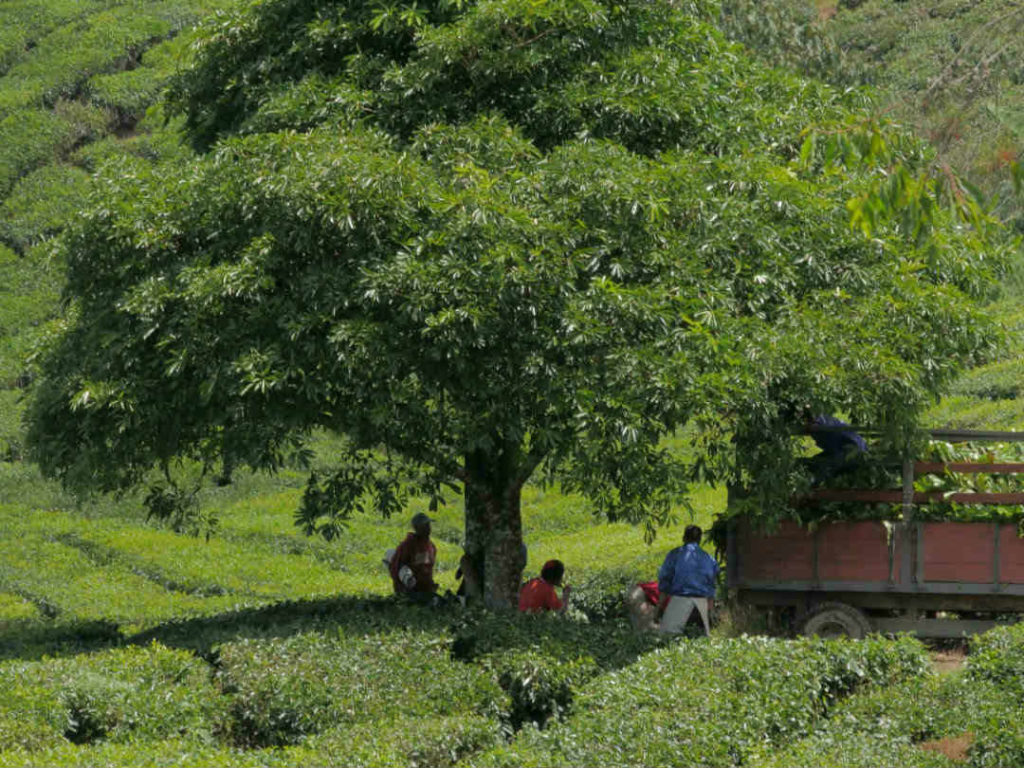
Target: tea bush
x=960, y=412
x=127, y=94
x=998, y=737
x=998, y=656
x=407, y=743
x=61, y=62
x=887, y=726
x=863, y=749
x=125, y=694
x=10, y=425
x=130, y=93
x=41, y=204
x=709, y=702
x=610, y=645
x=30, y=138
x=159, y=144
x=15, y=608
x=31, y=714
x=14, y=353
x=24, y=22
x=284, y=690
x=183, y=752
x=404, y=742
x=73, y=587
x=28, y=288
x=219, y=566
x=539, y=688
x=1002, y=380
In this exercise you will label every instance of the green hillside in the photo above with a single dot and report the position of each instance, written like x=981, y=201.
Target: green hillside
x=955, y=71
x=952, y=70
x=125, y=643
x=76, y=81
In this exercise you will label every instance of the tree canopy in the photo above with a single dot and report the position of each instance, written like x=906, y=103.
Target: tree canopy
x=494, y=239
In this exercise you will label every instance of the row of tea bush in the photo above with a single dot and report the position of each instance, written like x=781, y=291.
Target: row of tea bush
x=389, y=685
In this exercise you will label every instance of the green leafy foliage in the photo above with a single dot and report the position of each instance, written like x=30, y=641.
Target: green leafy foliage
x=24, y=22
x=282, y=691
x=41, y=204
x=403, y=741
x=954, y=73
x=512, y=104
x=109, y=39
x=27, y=296
x=14, y=608
x=909, y=723
x=793, y=35
x=490, y=241
x=119, y=695
x=31, y=137
x=960, y=412
x=709, y=702
x=996, y=656
x=10, y=426
x=131, y=92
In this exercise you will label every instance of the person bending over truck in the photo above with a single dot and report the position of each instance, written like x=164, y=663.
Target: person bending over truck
x=840, y=449
x=412, y=565
x=686, y=583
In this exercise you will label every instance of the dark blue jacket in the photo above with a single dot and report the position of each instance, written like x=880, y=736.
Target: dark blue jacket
x=689, y=571
x=837, y=443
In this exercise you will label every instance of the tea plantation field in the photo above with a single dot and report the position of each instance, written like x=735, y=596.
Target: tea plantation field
x=122, y=643
x=125, y=644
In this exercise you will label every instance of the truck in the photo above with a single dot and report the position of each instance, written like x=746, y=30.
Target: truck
x=938, y=579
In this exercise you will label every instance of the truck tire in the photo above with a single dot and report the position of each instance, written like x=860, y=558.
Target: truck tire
x=835, y=620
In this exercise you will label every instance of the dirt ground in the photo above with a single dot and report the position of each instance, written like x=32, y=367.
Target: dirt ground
x=947, y=660
x=955, y=748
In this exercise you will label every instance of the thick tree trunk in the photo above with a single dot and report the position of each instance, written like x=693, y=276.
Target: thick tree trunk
x=494, y=529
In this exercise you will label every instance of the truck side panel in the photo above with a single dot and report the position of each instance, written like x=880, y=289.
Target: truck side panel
x=960, y=552
x=850, y=551
x=1011, y=555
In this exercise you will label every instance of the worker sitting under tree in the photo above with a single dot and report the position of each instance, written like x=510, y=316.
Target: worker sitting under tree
x=686, y=584
x=412, y=565
x=539, y=594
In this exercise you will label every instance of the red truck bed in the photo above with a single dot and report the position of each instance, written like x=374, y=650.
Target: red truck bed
x=890, y=572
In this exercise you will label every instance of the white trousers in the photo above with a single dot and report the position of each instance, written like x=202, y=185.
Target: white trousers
x=678, y=611
x=642, y=613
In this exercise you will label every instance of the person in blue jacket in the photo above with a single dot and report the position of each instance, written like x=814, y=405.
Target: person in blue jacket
x=686, y=584
x=841, y=449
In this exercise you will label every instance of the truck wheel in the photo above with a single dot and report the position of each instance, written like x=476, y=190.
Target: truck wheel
x=836, y=620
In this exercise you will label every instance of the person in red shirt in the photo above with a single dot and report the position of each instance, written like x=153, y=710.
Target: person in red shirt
x=412, y=565
x=539, y=595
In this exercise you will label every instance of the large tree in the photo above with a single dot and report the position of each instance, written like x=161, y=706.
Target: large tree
x=485, y=241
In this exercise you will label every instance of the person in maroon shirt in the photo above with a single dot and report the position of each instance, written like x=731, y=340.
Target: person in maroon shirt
x=539, y=595
x=412, y=565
